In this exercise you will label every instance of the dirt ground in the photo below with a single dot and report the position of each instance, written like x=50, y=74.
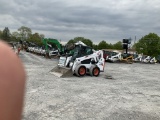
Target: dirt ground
x=133, y=93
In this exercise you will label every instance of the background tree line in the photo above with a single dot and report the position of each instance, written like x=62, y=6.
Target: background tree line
x=23, y=33
x=148, y=45
x=102, y=45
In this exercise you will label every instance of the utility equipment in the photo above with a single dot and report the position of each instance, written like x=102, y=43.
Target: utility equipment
x=83, y=60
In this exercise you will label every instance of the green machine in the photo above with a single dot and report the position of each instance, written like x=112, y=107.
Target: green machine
x=54, y=41
x=63, y=50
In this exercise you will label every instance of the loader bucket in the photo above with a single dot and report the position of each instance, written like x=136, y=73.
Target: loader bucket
x=61, y=72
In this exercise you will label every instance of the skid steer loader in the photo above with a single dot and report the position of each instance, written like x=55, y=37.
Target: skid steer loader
x=84, y=60
x=127, y=58
x=114, y=57
x=120, y=58
x=149, y=59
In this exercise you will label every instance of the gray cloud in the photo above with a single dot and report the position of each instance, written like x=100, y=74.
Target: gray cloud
x=96, y=20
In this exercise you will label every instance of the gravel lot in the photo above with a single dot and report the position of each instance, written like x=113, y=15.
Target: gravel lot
x=132, y=94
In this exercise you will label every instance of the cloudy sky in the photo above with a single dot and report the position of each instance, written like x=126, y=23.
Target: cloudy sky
x=110, y=20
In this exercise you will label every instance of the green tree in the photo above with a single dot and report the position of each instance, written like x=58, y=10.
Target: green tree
x=42, y=36
x=117, y=45
x=25, y=33
x=71, y=41
x=103, y=45
x=95, y=47
x=36, y=38
x=110, y=46
x=88, y=42
x=15, y=36
x=1, y=34
x=6, y=34
x=149, y=45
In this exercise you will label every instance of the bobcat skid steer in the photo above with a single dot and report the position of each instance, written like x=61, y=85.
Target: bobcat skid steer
x=149, y=59
x=84, y=60
x=114, y=57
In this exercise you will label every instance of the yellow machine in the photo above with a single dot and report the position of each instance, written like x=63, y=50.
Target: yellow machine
x=127, y=58
x=119, y=57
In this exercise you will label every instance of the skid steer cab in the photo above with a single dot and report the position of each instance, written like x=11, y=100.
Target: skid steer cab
x=84, y=60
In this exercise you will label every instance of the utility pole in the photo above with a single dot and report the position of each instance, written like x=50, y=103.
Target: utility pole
x=135, y=40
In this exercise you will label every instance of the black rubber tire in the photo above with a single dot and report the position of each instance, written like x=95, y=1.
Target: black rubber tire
x=95, y=71
x=92, y=71
x=78, y=71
